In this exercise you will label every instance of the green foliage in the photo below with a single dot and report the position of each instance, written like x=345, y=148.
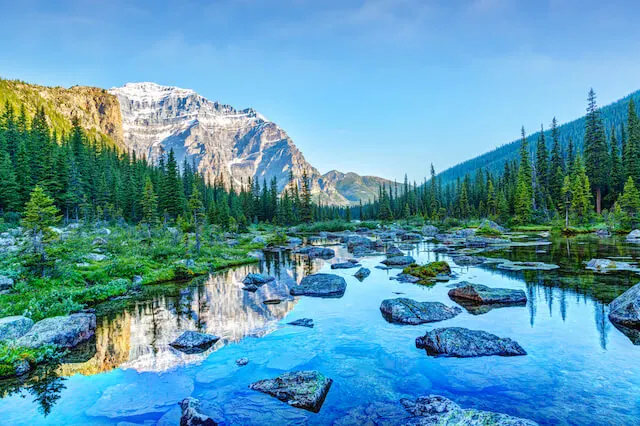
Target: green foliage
x=11, y=355
x=427, y=272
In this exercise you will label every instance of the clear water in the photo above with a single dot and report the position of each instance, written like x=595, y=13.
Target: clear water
x=579, y=369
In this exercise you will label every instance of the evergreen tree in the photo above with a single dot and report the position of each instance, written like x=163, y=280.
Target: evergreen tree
x=149, y=206
x=39, y=215
x=629, y=201
x=595, y=150
x=523, y=203
x=9, y=195
x=197, y=210
x=631, y=150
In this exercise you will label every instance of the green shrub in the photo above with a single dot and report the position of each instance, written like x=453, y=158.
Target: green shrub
x=428, y=272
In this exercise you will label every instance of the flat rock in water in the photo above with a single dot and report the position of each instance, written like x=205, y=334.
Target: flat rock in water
x=257, y=279
x=64, y=331
x=192, y=342
x=252, y=288
x=149, y=394
x=468, y=260
x=302, y=322
x=399, y=261
x=191, y=415
x=320, y=285
x=344, y=265
x=464, y=343
x=625, y=309
x=438, y=410
x=14, y=327
x=482, y=294
x=408, y=311
x=301, y=389
x=313, y=252
x=272, y=301
x=527, y=266
x=384, y=268
x=406, y=278
x=362, y=273
x=394, y=251
x=608, y=265
x=241, y=362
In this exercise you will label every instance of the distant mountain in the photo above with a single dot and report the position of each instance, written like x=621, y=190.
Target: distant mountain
x=614, y=114
x=151, y=119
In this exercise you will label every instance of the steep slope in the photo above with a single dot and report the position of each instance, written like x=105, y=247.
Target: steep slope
x=354, y=187
x=614, y=114
x=98, y=111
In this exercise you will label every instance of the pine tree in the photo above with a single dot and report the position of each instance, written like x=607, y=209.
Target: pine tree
x=523, y=203
x=629, y=201
x=172, y=193
x=39, y=215
x=542, y=163
x=197, y=210
x=631, y=150
x=149, y=206
x=556, y=168
x=617, y=174
x=9, y=200
x=595, y=150
x=580, y=192
x=306, y=213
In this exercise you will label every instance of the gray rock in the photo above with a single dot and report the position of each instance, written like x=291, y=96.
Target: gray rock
x=256, y=254
x=22, y=367
x=526, y=266
x=464, y=343
x=64, y=331
x=492, y=225
x=250, y=288
x=482, y=294
x=192, y=342
x=320, y=285
x=362, y=273
x=438, y=410
x=95, y=257
x=257, y=279
x=344, y=265
x=104, y=231
x=316, y=252
x=468, y=260
x=603, y=233
x=300, y=389
x=608, y=265
x=189, y=263
x=625, y=309
x=294, y=241
x=634, y=236
x=383, y=268
x=408, y=311
x=272, y=301
x=406, y=278
x=6, y=283
x=99, y=242
x=191, y=415
x=302, y=322
x=429, y=230
x=14, y=327
x=394, y=251
x=411, y=237
x=399, y=261
x=258, y=240
x=241, y=362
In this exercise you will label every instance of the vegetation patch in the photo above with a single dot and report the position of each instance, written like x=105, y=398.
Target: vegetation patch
x=428, y=272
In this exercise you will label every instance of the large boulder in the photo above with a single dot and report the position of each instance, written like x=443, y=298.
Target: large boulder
x=6, y=283
x=438, y=410
x=316, y=252
x=191, y=415
x=193, y=342
x=95, y=257
x=429, y=230
x=608, y=265
x=258, y=240
x=481, y=294
x=625, y=309
x=12, y=328
x=394, y=251
x=399, y=261
x=464, y=343
x=408, y=311
x=634, y=236
x=301, y=389
x=320, y=285
x=486, y=223
x=64, y=331
x=257, y=279
x=410, y=236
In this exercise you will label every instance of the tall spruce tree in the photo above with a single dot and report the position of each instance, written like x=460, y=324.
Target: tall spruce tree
x=595, y=150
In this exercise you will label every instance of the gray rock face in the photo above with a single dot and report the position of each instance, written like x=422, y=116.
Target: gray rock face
x=14, y=327
x=362, y=273
x=99, y=242
x=257, y=279
x=468, y=260
x=191, y=415
x=411, y=237
x=625, y=309
x=302, y=322
x=320, y=285
x=6, y=283
x=408, y=311
x=438, y=410
x=464, y=343
x=192, y=342
x=399, y=261
x=344, y=265
x=634, y=236
x=394, y=251
x=316, y=252
x=95, y=257
x=481, y=294
x=429, y=230
x=258, y=240
x=294, y=241
x=301, y=389
x=63, y=331
x=492, y=225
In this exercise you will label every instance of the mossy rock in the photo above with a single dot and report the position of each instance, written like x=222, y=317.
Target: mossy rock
x=427, y=273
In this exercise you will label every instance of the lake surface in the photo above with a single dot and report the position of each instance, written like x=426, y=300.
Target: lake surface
x=579, y=369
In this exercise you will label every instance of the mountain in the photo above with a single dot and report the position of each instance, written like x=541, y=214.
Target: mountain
x=221, y=140
x=613, y=115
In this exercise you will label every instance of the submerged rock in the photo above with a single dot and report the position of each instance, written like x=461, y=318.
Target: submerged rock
x=429, y=230
x=193, y=342
x=344, y=265
x=320, y=285
x=14, y=327
x=464, y=343
x=438, y=410
x=300, y=389
x=482, y=294
x=468, y=260
x=625, y=309
x=527, y=266
x=191, y=415
x=64, y=331
x=302, y=322
x=257, y=279
x=241, y=362
x=406, y=278
x=399, y=261
x=272, y=301
x=362, y=273
x=409, y=311
x=316, y=252
x=608, y=265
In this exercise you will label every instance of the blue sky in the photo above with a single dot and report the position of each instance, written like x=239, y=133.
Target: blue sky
x=378, y=87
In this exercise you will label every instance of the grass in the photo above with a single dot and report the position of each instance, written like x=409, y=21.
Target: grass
x=486, y=231
x=11, y=356
x=427, y=272
x=75, y=283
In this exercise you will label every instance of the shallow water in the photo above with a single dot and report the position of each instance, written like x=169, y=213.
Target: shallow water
x=579, y=369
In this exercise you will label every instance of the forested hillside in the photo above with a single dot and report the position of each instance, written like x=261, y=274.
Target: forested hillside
x=613, y=116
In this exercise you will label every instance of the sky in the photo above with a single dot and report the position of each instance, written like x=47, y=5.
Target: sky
x=378, y=87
